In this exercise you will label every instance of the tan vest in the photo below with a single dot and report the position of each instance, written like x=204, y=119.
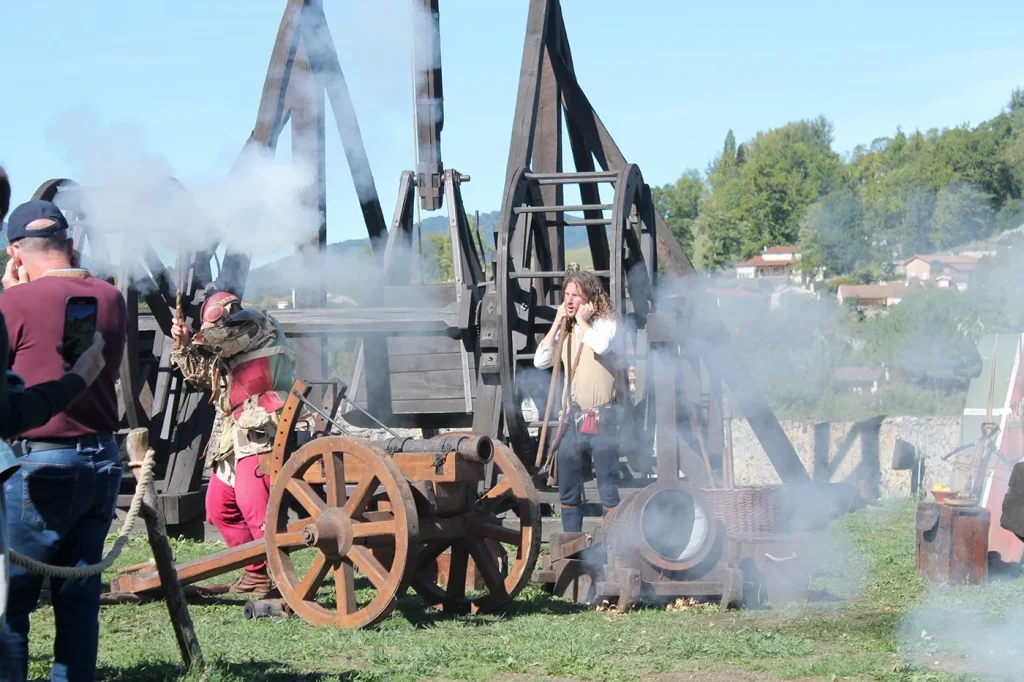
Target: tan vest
x=594, y=382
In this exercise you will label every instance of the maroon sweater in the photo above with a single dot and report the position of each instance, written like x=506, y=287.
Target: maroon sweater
x=35, y=325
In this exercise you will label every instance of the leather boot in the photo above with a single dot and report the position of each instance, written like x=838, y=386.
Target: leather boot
x=252, y=582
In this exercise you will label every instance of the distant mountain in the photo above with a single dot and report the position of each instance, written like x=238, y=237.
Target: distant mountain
x=346, y=267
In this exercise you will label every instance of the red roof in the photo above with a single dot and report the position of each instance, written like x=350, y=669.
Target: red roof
x=758, y=261
x=946, y=259
x=781, y=249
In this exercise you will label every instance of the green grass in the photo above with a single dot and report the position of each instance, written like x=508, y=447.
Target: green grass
x=865, y=633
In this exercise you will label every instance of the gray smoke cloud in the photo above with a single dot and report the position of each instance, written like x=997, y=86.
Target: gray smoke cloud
x=131, y=196
x=976, y=630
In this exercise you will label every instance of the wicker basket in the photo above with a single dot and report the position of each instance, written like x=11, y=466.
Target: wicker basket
x=746, y=509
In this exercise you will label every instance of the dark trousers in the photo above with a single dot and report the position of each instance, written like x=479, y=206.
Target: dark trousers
x=59, y=509
x=603, y=449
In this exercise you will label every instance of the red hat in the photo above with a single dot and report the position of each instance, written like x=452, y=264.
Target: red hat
x=213, y=307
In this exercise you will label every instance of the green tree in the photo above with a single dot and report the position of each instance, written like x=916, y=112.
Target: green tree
x=833, y=234
x=679, y=204
x=962, y=213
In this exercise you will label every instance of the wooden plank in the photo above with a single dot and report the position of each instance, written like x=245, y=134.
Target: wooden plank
x=308, y=116
x=196, y=570
x=270, y=120
x=438, y=405
x=723, y=358
x=397, y=254
x=525, y=118
x=665, y=411
x=365, y=321
x=417, y=466
x=428, y=385
x=428, y=295
x=323, y=57
x=428, y=362
x=547, y=152
x=580, y=116
x=423, y=345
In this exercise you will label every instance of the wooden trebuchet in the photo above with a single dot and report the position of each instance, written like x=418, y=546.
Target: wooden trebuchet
x=136, y=444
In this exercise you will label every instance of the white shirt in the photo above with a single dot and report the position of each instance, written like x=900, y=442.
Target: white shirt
x=602, y=337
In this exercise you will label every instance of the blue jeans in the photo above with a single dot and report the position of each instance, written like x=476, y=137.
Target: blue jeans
x=603, y=449
x=59, y=510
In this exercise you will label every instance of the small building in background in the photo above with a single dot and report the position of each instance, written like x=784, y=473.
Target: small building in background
x=859, y=379
x=872, y=296
x=956, y=269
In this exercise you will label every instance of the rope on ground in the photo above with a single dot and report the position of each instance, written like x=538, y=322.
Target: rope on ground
x=145, y=480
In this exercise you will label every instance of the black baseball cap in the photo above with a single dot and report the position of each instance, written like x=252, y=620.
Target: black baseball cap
x=31, y=211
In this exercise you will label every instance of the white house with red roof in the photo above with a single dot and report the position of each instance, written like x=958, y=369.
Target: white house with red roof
x=774, y=261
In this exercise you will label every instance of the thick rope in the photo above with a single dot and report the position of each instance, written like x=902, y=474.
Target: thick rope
x=145, y=480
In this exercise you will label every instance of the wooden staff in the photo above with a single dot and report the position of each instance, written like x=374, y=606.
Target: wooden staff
x=136, y=444
x=178, y=308
x=551, y=393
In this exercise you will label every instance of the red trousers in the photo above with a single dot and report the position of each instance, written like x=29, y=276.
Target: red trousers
x=239, y=512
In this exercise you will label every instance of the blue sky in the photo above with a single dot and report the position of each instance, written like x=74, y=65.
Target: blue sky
x=668, y=77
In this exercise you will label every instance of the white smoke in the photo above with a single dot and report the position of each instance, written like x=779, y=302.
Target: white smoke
x=131, y=195
x=976, y=629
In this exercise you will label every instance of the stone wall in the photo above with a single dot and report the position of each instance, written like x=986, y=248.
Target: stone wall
x=933, y=437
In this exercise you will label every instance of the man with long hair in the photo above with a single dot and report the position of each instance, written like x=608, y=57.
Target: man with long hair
x=592, y=357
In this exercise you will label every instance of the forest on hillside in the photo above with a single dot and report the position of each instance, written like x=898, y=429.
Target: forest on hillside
x=856, y=214
x=860, y=216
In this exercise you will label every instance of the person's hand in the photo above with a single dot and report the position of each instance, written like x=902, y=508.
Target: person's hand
x=91, y=362
x=179, y=332
x=584, y=313
x=14, y=274
x=560, y=314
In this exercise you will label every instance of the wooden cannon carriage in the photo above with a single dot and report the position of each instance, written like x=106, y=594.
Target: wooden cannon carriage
x=399, y=513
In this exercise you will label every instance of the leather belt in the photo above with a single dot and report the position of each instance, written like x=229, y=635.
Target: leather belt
x=24, y=447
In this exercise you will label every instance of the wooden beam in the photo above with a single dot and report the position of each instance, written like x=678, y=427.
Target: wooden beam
x=323, y=58
x=308, y=113
x=547, y=154
x=525, y=118
x=271, y=118
x=580, y=112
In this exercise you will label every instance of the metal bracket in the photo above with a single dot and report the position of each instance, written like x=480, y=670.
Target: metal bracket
x=439, y=459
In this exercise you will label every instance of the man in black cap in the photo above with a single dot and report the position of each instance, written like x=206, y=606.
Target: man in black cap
x=61, y=506
x=23, y=408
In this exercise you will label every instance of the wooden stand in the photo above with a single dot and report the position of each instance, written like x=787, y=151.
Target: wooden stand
x=137, y=444
x=952, y=543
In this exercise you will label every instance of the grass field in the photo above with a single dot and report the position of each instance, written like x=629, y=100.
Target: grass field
x=878, y=623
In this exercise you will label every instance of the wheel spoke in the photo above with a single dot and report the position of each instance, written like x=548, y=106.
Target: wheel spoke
x=304, y=495
x=290, y=540
x=361, y=497
x=345, y=583
x=488, y=568
x=458, y=564
x=369, y=566
x=495, y=531
x=314, y=577
x=365, y=530
x=499, y=490
x=334, y=473
x=430, y=554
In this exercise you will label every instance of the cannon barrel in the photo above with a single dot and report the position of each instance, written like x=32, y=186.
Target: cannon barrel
x=472, y=448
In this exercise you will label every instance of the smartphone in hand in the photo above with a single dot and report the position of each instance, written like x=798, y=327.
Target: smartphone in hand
x=80, y=316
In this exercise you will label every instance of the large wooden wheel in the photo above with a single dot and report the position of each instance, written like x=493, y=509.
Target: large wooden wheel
x=314, y=567
x=486, y=536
